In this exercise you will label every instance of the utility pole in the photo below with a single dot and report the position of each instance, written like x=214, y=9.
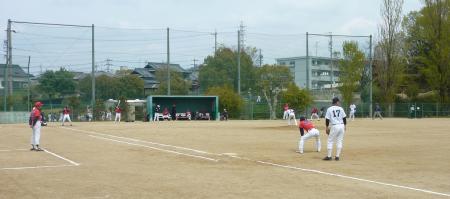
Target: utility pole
x=239, y=63
x=307, y=61
x=331, y=60
x=215, y=42
x=5, y=77
x=242, y=35
x=194, y=60
x=29, y=84
x=10, y=86
x=93, y=71
x=168, y=62
x=371, y=75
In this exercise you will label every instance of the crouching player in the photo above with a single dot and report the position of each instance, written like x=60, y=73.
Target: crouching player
x=307, y=126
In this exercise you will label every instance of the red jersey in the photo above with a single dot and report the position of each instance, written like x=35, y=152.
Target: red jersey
x=35, y=115
x=307, y=125
x=314, y=110
x=286, y=107
x=66, y=111
x=118, y=110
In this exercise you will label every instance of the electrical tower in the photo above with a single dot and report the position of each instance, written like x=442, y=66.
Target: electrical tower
x=108, y=65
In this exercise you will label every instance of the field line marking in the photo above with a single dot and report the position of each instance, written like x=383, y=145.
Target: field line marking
x=37, y=167
x=143, y=141
x=353, y=178
x=61, y=157
x=9, y=150
x=168, y=151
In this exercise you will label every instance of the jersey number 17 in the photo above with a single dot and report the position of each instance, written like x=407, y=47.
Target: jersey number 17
x=336, y=111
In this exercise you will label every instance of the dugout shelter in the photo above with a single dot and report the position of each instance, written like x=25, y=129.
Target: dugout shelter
x=200, y=104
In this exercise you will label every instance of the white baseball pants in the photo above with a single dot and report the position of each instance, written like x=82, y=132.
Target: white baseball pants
x=310, y=134
x=336, y=135
x=292, y=117
x=66, y=117
x=117, y=119
x=36, y=136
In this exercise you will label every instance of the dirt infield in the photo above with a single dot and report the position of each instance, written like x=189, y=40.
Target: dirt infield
x=391, y=158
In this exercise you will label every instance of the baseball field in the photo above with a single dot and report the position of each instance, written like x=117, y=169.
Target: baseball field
x=390, y=158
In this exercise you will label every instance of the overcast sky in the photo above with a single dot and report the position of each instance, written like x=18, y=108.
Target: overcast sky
x=259, y=16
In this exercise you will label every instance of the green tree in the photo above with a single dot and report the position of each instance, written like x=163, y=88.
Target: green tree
x=389, y=66
x=57, y=84
x=178, y=85
x=131, y=86
x=297, y=98
x=427, y=36
x=271, y=81
x=221, y=69
x=228, y=99
x=127, y=85
x=351, y=68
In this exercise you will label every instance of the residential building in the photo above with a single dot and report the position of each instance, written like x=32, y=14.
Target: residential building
x=318, y=74
x=19, y=77
x=148, y=74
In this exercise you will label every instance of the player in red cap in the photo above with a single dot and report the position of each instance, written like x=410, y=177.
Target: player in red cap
x=307, y=126
x=66, y=113
x=35, y=122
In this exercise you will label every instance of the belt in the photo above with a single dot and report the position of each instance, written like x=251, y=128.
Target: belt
x=337, y=124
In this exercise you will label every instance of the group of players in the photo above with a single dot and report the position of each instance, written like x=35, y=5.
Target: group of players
x=335, y=122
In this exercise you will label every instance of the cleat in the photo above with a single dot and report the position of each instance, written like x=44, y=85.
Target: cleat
x=32, y=149
x=327, y=158
x=336, y=158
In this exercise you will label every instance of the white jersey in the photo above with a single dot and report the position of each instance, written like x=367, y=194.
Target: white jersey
x=336, y=115
x=352, y=107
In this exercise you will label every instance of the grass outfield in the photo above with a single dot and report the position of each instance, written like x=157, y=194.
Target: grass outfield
x=391, y=158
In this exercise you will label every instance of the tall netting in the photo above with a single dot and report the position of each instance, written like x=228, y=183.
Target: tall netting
x=67, y=53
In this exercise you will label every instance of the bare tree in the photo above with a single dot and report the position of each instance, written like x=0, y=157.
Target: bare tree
x=389, y=64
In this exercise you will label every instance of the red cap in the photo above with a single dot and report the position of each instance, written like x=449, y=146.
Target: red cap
x=38, y=104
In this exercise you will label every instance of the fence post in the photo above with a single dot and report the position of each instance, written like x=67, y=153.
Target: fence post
x=437, y=109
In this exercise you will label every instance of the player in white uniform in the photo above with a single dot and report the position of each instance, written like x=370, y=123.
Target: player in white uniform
x=291, y=116
x=352, y=111
x=335, y=117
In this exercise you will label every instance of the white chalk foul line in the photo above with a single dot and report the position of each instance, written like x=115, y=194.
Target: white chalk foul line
x=63, y=158
x=155, y=148
x=37, y=167
x=9, y=150
x=269, y=163
x=142, y=141
x=352, y=178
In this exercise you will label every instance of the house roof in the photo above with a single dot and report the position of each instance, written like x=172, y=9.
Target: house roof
x=154, y=66
x=143, y=73
x=17, y=71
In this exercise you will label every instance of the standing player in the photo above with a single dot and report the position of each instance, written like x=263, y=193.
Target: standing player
x=352, y=111
x=35, y=123
x=157, y=110
x=291, y=116
x=118, y=114
x=337, y=118
x=285, y=113
x=310, y=132
x=314, y=114
x=377, y=112
x=66, y=115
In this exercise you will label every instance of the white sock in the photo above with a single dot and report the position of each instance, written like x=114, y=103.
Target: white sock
x=329, y=152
